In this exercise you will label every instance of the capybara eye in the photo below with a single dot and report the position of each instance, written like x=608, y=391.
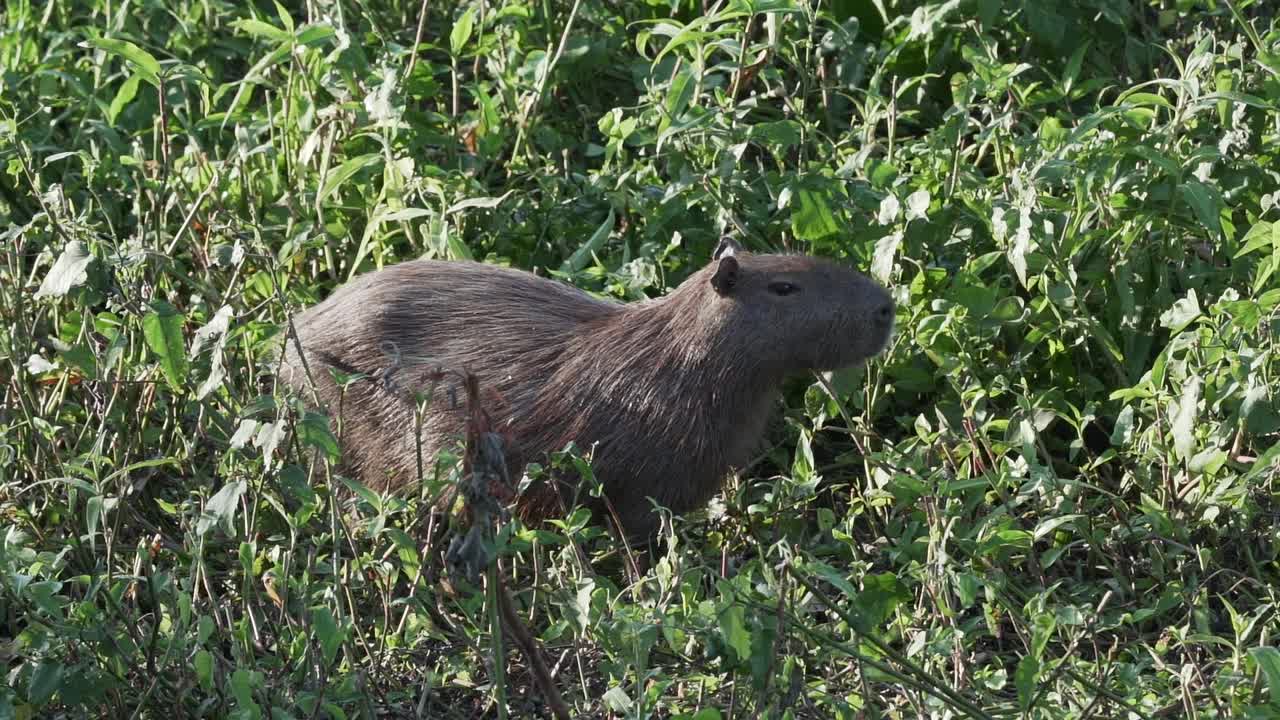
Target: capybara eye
x=783, y=288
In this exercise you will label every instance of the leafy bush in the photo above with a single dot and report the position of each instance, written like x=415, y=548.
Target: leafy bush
x=1053, y=496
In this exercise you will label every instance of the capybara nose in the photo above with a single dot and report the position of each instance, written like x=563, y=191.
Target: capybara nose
x=884, y=313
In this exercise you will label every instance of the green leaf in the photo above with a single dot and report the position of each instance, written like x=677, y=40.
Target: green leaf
x=1204, y=201
x=1259, y=411
x=682, y=35
x=128, y=90
x=458, y=249
x=1042, y=627
x=1051, y=132
x=405, y=214
x=1048, y=525
x=881, y=173
x=977, y=299
x=479, y=202
x=366, y=494
x=214, y=332
x=313, y=34
x=1009, y=309
x=162, y=330
x=285, y=18
x=1268, y=660
x=1223, y=82
x=881, y=594
x=778, y=135
x=313, y=431
x=268, y=438
x=967, y=586
x=461, y=32
x=45, y=681
x=579, y=607
x=582, y=255
x=1263, y=235
x=70, y=270
x=344, y=172
x=678, y=96
x=142, y=61
x=1145, y=99
x=733, y=630
x=811, y=216
x=44, y=595
x=82, y=357
x=918, y=205
x=833, y=576
x=242, y=683
x=1024, y=679
x=1072, y=70
x=1265, y=462
x=1155, y=157
x=1018, y=257
x=203, y=662
x=92, y=514
x=327, y=632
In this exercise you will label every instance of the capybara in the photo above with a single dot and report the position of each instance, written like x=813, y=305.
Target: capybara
x=667, y=395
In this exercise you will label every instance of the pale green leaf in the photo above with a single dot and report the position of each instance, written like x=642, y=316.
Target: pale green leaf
x=479, y=202
x=882, y=260
x=461, y=32
x=1184, y=419
x=1183, y=313
x=70, y=270
x=617, y=700
x=221, y=508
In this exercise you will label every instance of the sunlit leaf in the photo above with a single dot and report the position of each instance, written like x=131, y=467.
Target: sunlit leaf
x=811, y=216
x=70, y=270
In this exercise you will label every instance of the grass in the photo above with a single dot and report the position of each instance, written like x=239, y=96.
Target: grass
x=1053, y=497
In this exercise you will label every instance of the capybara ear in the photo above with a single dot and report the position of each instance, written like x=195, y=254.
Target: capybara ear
x=726, y=246
x=726, y=276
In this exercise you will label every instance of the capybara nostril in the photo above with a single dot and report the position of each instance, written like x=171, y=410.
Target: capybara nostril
x=885, y=312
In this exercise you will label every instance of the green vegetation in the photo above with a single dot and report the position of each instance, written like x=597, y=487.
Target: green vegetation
x=1055, y=496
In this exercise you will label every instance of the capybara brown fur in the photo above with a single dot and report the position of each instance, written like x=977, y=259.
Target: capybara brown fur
x=667, y=395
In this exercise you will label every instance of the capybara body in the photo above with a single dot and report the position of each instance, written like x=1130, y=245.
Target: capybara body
x=667, y=395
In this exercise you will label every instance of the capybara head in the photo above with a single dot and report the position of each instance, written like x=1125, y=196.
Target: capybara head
x=792, y=312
